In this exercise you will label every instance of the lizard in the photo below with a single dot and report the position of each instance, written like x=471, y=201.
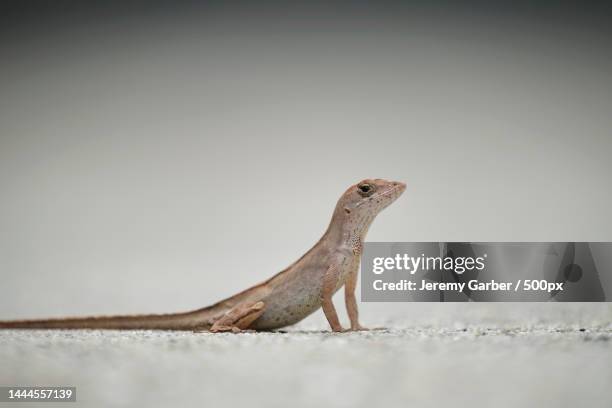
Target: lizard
x=287, y=297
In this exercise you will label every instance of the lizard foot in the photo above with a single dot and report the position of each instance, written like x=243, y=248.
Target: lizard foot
x=239, y=318
x=225, y=329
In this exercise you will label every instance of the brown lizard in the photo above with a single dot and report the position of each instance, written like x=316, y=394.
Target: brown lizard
x=287, y=297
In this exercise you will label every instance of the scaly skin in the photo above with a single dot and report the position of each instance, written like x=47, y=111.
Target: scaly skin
x=287, y=297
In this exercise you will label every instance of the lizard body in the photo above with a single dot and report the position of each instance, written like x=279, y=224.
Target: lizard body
x=287, y=297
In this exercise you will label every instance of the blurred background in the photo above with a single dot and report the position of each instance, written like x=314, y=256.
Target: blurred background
x=158, y=156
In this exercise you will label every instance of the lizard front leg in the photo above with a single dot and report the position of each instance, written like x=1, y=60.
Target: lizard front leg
x=330, y=280
x=351, y=301
x=239, y=317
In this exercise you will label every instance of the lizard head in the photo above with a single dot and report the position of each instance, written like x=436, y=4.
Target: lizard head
x=369, y=197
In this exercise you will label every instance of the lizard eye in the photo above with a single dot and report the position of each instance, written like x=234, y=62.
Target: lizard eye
x=365, y=189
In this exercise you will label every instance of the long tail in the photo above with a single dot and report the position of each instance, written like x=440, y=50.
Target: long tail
x=200, y=319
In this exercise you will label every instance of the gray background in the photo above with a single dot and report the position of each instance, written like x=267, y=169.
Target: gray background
x=157, y=158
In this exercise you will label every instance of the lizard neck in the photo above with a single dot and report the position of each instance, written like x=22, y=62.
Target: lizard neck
x=347, y=230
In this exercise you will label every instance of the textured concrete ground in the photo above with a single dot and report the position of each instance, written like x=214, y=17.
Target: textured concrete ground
x=476, y=355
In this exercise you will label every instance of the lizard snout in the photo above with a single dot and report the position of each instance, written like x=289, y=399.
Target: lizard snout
x=402, y=186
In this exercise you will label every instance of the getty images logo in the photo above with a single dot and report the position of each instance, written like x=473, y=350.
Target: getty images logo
x=413, y=264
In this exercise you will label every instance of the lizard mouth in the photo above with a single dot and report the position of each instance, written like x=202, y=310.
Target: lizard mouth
x=392, y=192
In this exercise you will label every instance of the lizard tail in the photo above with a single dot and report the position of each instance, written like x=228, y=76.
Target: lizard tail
x=197, y=320
x=200, y=319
